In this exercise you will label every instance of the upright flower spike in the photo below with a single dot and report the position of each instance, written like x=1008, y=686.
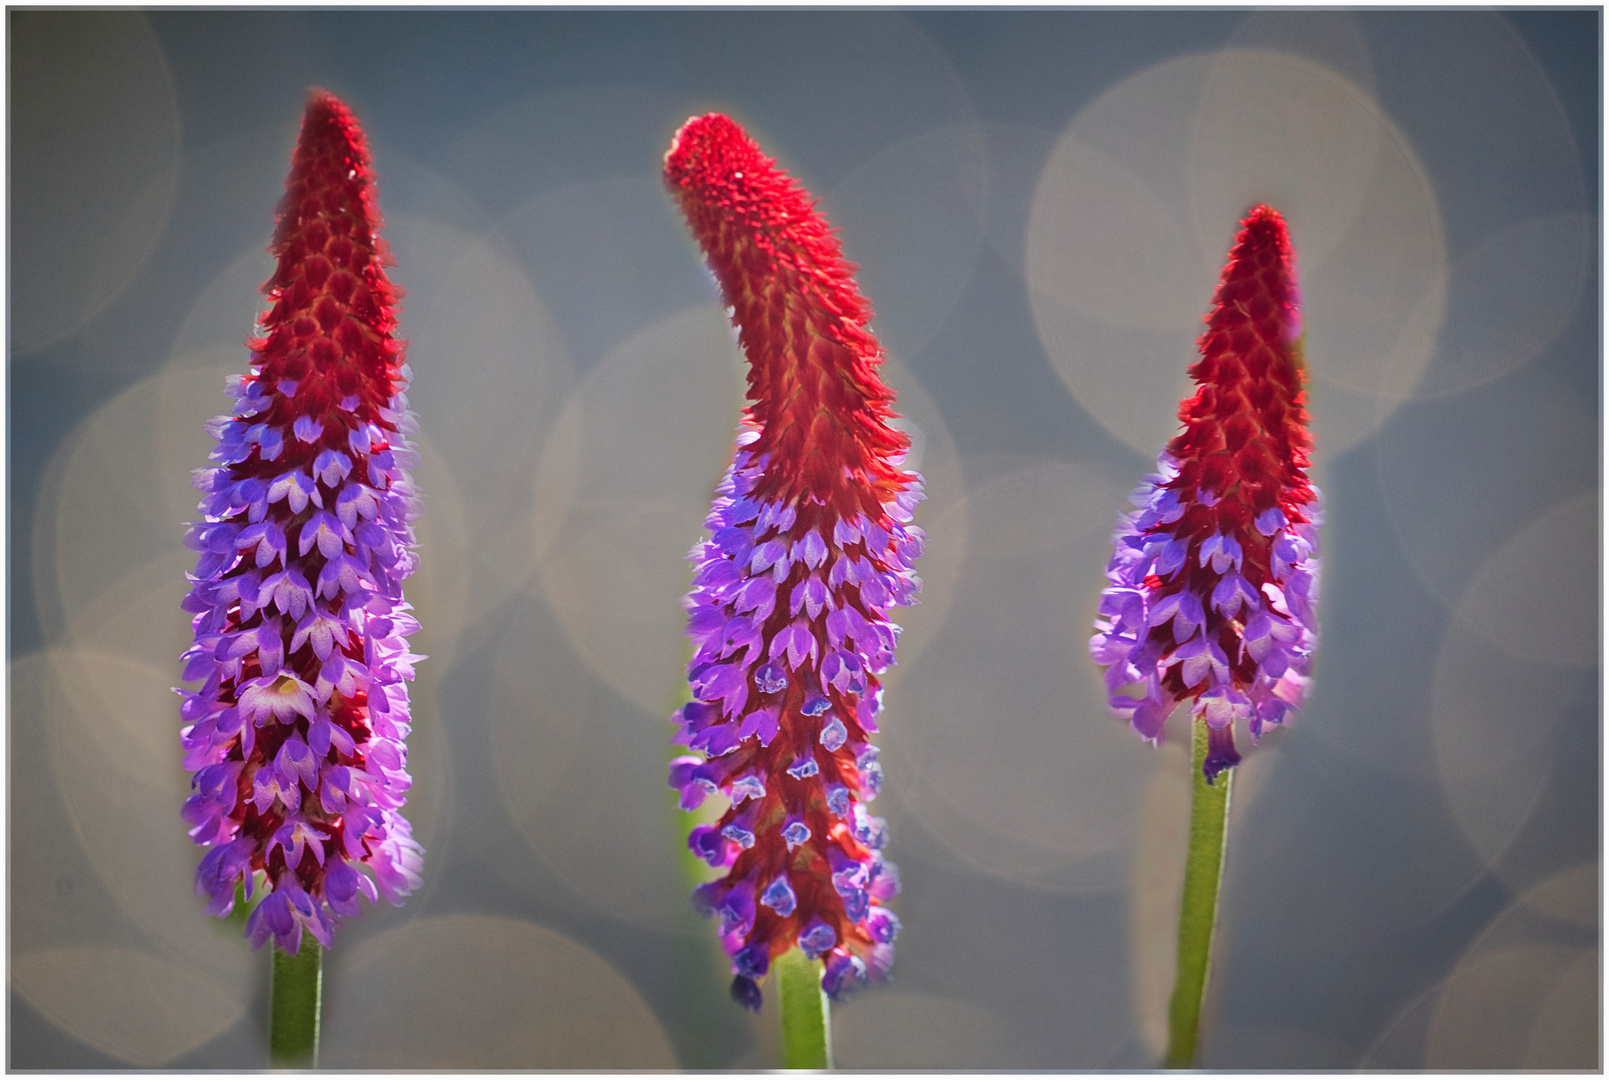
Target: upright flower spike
x=811, y=545
x=296, y=735
x=1214, y=580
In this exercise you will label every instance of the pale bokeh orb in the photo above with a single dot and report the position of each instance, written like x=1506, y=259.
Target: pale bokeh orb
x=1520, y=996
x=1492, y=719
x=125, y=1003
x=490, y=371
x=485, y=992
x=893, y=1030
x=911, y=217
x=1137, y=206
x=1462, y=475
x=999, y=736
x=1529, y=598
x=655, y=422
x=95, y=159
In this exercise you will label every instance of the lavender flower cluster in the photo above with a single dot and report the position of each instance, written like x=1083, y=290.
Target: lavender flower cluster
x=296, y=736
x=1184, y=615
x=787, y=617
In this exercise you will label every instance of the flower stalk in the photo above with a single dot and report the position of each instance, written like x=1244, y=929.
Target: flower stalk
x=1198, y=909
x=806, y=1036
x=295, y=987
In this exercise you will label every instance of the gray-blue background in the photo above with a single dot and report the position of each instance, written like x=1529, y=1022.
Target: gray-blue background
x=1040, y=202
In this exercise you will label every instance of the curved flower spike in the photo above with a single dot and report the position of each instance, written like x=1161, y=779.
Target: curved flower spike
x=810, y=547
x=296, y=735
x=1214, y=581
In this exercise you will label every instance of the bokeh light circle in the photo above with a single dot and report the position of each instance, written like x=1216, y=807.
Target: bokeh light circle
x=1462, y=475
x=1492, y=720
x=1530, y=598
x=1279, y=128
x=143, y=982
x=581, y=775
x=1488, y=1007
x=999, y=735
x=1136, y=208
x=489, y=371
x=126, y=1003
x=919, y=1031
x=111, y=734
x=94, y=137
x=1523, y=995
x=911, y=217
x=1329, y=37
x=485, y=992
x=225, y=313
x=1508, y=298
x=656, y=419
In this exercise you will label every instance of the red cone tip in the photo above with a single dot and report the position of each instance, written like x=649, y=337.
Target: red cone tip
x=710, y=151
x=328, y=126
x=1259, y=280
x=329, y=329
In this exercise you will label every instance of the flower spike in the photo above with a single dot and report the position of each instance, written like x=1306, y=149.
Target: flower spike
x=1213, y=584
x=296, y=735
x=811, y=545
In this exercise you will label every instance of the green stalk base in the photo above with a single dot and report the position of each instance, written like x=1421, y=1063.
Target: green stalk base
x=806, y=1033
x=294, y=989
x=1198, y=911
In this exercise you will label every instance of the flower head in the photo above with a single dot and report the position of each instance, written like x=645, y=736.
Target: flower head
x=1214, y=581
x=296, y=735
x=811, y=545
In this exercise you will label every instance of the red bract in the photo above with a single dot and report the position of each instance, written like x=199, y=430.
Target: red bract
x=809, y=548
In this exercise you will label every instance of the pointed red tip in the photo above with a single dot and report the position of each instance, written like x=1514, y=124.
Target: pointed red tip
x=820, y=406
x=712, y=155
x=1259, y=280
x=319, y=98
x=330, y=175
x=330, y=128
x=1262, y=213
x=333, y=309
x=1263, y=231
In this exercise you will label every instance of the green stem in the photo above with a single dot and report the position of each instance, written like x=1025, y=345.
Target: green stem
x=803, y=1005
x=1198, y=910
x=293, y=1002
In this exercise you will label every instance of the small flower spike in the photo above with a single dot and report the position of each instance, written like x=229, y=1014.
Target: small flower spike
x=811, y=545
x=296, y=735
x=1214, y=581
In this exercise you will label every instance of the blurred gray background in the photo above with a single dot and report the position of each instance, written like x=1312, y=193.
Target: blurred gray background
x=1040, y=202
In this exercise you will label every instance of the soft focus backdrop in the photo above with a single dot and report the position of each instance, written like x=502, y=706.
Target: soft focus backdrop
x=1040, y=203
